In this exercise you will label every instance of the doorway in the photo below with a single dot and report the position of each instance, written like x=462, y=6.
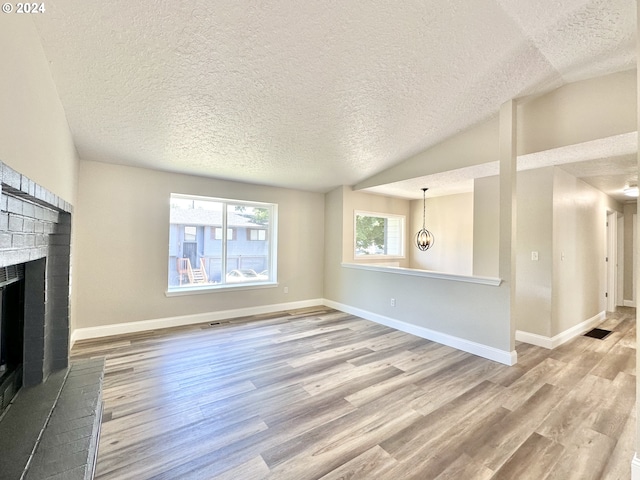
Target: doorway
x=612, y=261
x=189, y=250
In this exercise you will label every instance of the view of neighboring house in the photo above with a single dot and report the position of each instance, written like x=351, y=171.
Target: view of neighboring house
x=197, y=242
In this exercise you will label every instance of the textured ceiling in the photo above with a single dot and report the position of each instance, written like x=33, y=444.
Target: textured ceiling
x=310, y=95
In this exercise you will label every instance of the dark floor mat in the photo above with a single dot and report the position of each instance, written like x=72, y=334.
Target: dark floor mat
x=598, y=333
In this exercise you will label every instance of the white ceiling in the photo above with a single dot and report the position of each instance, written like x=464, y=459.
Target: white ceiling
x=315, y=94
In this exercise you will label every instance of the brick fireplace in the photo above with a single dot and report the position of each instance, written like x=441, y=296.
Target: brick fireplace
x=35, y=238
x=50, y=410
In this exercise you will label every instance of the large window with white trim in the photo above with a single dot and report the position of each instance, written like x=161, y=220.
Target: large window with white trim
x=219, y=243
x=379, y=235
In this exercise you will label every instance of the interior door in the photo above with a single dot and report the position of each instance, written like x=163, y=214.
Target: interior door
x=612, y=260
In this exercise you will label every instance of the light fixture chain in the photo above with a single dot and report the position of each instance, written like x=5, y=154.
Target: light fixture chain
x=424, y=208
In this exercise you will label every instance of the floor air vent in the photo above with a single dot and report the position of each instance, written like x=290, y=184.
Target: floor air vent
x=598, y=333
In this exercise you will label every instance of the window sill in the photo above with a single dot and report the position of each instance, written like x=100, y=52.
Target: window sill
x=378, y=257
x=218, y=288
x=426, y=273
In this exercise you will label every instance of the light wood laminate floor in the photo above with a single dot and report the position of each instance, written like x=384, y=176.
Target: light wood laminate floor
x=320, y=394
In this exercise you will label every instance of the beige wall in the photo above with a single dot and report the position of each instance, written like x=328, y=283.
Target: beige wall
x=556, y=213
x=450, y=219
x=579, y=245
x=472, y=312
x=534, y=280
x=123, y=240
x=486, y=226
x=34, y=136
x=578, y=112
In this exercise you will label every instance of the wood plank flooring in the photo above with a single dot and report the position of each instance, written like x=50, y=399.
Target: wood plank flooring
x=320, y=394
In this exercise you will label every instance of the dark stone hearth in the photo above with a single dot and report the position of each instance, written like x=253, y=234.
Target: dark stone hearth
x=61, y=419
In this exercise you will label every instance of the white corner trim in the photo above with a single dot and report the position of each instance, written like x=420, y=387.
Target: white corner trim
x=534, y=339
x=491, y=353
x=563, y=337
x=635, y=467
x=144, y=325
x=629, y=303
x=495, y=282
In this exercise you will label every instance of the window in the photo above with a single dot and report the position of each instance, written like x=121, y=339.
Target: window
x=256, y=235
x=379, y=235
x=216, y=233
x=190, y=233
x=228, y=255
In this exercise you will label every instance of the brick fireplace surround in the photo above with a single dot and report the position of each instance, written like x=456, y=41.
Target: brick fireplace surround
x=48, y=430
x=35, y=229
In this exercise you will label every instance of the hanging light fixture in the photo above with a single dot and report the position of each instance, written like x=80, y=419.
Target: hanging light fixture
x=424, y=238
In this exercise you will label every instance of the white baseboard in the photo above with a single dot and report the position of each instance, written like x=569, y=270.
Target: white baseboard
x=563, y=337
x=534, y=339
x=629, y=303
x=491, y=353
x=635, y=468
x=144, y=325
x=501, y=356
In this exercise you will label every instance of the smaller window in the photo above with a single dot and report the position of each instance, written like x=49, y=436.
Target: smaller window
x=216, y=233
x=379, y=234
x=255, y=234
x=189, y=234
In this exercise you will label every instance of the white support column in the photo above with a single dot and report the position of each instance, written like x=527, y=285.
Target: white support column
x=508, y=167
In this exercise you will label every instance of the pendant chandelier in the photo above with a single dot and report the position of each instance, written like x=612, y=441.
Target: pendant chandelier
x=424, y=238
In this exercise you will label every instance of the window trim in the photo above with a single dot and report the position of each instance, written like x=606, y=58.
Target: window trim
x=271, y=237
x=403, y=245
x=226, y=287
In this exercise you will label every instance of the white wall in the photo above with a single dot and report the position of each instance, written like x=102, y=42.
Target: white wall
x=450, y=219
x=123, y=240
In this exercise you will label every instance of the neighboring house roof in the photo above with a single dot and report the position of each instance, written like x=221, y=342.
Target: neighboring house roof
x=199, y=216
